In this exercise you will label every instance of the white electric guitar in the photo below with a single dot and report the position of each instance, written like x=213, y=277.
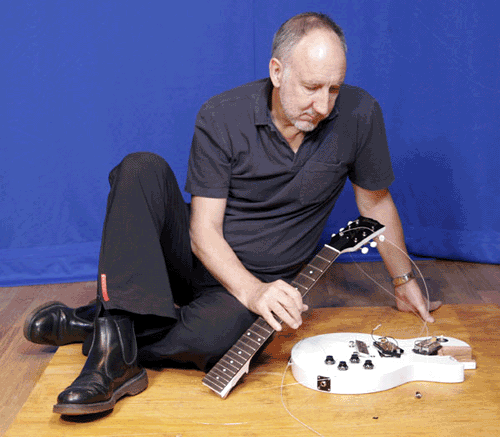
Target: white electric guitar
x=350, y=363
x=235, y=363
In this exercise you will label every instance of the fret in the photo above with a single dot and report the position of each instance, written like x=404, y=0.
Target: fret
x=245, y=342
x=258, y=330
x=312, y=272
x=300, y=287
x=229, y=364
x=264, y=325
x=241, y=350
x=217, y=385
x=255, y=338
x=233, y=362
x=319, y=263
x=224, y=372
x=237, y=358
x=303, y=280
x=221, y=376
x=226, y=367
x=325, y=261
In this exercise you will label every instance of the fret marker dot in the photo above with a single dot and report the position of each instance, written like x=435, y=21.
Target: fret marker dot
x=258, y=339
x=223, y=370
x=249, y=334
x=231, y=361
x=311, y=272
x=239, y=352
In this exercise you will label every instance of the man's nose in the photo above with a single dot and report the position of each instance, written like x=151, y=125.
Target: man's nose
x=321, y=103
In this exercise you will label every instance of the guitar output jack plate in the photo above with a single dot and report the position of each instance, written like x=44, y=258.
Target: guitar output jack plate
x=324, y=383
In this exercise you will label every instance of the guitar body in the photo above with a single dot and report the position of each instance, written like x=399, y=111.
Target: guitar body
x=315, y=363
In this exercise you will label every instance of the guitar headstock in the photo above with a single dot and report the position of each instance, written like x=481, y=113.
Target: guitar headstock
x=356, y=234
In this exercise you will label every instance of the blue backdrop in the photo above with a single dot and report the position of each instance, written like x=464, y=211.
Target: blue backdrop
x=84, y=83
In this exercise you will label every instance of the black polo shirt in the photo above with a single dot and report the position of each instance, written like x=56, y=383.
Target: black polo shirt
x=278, y=201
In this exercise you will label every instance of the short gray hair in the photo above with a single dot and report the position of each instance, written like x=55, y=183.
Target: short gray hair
x=294, y=29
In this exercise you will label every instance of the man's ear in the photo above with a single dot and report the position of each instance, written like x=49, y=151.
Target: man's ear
x=275, y=72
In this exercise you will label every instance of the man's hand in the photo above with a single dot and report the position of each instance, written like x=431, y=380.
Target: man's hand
x=409, y=299
x=280, y=299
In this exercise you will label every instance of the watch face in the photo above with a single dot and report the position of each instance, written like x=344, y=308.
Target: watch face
x=400, y=280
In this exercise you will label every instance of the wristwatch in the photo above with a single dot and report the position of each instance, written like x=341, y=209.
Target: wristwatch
x=401, y=280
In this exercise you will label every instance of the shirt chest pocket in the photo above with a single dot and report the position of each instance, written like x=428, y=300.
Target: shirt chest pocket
x=319, y=181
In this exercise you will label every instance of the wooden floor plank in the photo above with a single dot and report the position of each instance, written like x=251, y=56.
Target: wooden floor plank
x=177, y=404
x=21, y=363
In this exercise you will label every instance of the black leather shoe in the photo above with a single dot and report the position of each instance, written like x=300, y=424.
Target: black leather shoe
x=56, y=324
x=110, y=372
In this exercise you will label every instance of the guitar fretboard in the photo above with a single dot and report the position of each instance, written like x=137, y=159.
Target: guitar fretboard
x=229, y=369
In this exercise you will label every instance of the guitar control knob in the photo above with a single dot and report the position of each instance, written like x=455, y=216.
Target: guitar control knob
x=364, y=250
x=373, y=244
x=368, y=365
x=343, y=365
x=354, y=358
x=329, y=360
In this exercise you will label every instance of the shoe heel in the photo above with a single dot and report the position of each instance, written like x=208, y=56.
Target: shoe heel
x=135, y=386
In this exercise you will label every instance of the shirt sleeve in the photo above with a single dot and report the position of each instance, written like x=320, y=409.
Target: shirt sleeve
x=209, y=165
x=372, y=168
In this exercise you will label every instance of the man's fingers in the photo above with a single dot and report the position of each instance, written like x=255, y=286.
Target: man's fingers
x=431, y=307
x=273, y=323
x=289, y=315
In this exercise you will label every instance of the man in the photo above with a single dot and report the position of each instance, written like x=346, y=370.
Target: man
x=268, y=161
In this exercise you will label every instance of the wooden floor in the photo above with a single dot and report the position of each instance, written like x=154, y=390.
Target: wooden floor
x=352, y=285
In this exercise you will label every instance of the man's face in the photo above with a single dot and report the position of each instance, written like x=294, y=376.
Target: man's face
x=311, y=80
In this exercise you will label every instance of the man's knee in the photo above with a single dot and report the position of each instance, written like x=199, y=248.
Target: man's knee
x=139, y=165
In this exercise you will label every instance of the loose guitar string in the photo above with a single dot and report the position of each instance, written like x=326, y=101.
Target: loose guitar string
x=286, y=408
x=424, y=327
x=289, y=363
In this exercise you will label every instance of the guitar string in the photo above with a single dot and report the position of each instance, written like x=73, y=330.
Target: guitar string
x=286, y=408
x=424, y=327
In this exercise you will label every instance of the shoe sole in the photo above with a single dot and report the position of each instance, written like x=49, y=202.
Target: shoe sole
x=28, y=323
x=132, y=387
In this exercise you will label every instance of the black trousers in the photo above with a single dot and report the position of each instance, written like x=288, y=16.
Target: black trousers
x=182, y=315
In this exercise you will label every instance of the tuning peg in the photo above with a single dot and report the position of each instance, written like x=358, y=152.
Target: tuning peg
x=364, y=250
x=341, y=229
x=373, y=244
x=381, y=238
x=349, y=223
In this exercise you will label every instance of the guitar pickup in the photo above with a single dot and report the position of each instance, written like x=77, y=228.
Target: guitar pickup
x=429, y=346
x=387, y=348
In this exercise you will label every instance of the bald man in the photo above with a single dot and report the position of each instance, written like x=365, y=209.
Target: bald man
x=179, y=284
